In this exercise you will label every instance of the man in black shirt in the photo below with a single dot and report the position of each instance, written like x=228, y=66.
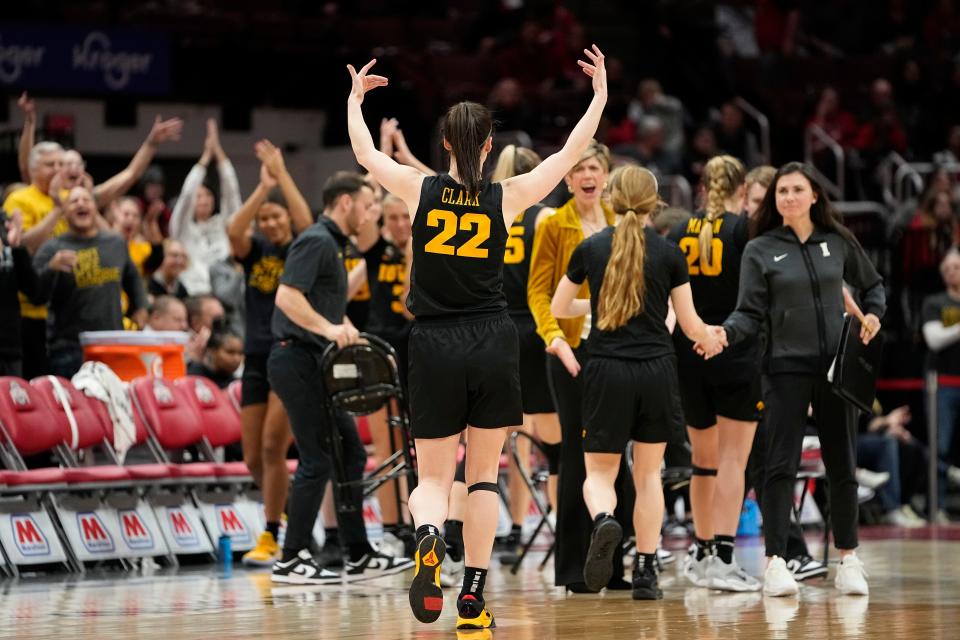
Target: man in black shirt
x=310, y=314
x=82, y=274
x=16, y=274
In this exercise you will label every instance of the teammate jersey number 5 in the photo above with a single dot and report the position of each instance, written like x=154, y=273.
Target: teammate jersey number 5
x=449, y=223
x=697, y=263
x=515, y=250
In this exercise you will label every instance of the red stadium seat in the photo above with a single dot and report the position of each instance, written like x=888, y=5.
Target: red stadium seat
x=29, y=425
x=167, y=412
x=89, y=427
x=221, y=424
x=48, y=476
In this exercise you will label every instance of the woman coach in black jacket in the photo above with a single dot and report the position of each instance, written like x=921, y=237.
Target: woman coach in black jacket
x=791, y=286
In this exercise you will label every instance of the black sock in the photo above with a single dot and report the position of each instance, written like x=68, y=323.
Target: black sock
x=516, y=530
x=273, y=528
x=453, y=536
x=289, y=554
x=331, y=535
x=425, y=530
x=704, y=548
x=357, y=551
x=725, y=546
x=473, y=582
x=603, y=515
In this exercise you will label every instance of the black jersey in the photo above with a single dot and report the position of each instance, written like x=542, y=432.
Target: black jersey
x=389, y=270
x=715, y=282
x=262, y=268
x=516, y=261
x=358, y=308
x=645, y=335
x=458, y=246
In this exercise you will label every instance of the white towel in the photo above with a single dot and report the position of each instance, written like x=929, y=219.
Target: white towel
x=97, y=380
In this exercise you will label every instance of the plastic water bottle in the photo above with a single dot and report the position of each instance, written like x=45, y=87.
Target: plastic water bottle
x=749, y=524
x=226, y=553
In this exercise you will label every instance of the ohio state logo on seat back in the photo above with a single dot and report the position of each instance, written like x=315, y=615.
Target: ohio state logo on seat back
x=28, y=536
x=19, y=396
x=203, y=393
x=161, y=392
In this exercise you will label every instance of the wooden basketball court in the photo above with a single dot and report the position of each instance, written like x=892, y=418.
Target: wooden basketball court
x=915, y=593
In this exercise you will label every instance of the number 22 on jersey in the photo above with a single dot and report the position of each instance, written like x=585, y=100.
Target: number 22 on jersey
x=697, y=264
x=449, y=223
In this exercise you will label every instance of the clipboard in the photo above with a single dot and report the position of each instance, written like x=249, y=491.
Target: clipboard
x=856, y=366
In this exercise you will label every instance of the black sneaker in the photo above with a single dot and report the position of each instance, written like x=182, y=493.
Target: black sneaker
x=598, y=567
x=302, y=569
x=510, y=551
x=645, y=584
x=376, y=564
x=426, y=595
x=331, y=555
x=804, y=568
x=472, y=614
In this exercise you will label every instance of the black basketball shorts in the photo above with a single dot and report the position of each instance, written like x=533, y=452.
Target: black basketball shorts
x=627, y=400
x=254, y=385
x=464, y=372
x=707, y=394
x=533, y=368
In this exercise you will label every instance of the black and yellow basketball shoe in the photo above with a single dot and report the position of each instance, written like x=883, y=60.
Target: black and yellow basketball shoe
x=472, y=614
x=426, y=595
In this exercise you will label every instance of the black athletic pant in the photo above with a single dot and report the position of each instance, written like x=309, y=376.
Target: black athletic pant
x=786, y=397
x=756, y=476
x=574, y=525
x=294, y=373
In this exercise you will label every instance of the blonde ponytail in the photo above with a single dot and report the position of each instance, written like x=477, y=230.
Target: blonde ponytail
x=722, y=176
x=633, y=193
x=513, y=161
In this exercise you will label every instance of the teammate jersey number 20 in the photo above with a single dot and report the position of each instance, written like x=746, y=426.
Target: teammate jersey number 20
x=697, y=264
x=448, y=224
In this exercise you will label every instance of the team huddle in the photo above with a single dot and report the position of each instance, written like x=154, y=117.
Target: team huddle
x=596, y=325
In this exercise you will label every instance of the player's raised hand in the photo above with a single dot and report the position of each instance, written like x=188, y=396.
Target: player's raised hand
x=596, y=69
x=363, y=82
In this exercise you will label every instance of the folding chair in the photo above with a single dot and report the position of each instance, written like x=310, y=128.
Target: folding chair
x=359, y=380
x=536, y=481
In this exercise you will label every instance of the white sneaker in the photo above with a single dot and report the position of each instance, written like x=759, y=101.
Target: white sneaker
x=665, y=557
x=872, y=479
x=910, y=513
x=953, y=475
x=451, y=572
x=942, y=517
x=901, y=518
x=696, y=570
x=777, y=579
x=392, y=545
x=851, y=577
x=730, y=577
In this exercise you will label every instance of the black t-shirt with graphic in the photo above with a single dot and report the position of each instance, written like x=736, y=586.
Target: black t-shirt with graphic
x=314, y=265
x=459, y=240
x=942, y=307
x=88, y=297
x=645, y=335
x=387, y=268
x=262, y=268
